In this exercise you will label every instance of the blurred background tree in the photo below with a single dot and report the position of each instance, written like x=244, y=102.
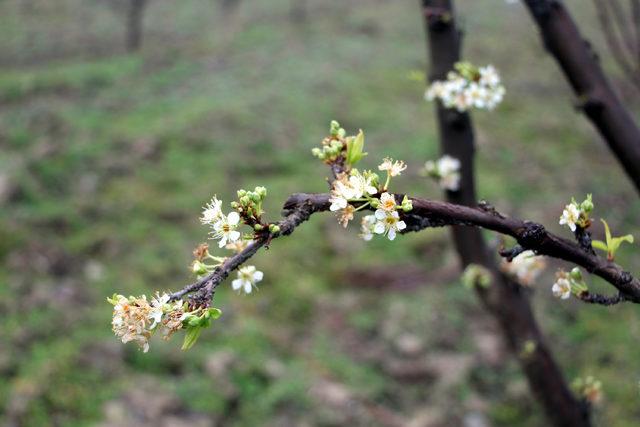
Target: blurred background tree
x=107, y=158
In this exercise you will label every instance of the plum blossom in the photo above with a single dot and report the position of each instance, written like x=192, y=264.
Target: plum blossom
x=526, y=267
x=468, y=87
x=562, y=288
x=446, y=171
x=388, y=223
x=367, y=226
x=393, y=168
x=248, y=276
x=212, y=211
x=225, y=229
x=570, y=216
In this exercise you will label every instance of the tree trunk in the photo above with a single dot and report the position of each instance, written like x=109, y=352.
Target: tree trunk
x=135, y=16
x=504, y=299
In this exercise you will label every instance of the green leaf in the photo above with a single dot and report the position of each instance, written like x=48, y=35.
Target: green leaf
x=617, y=241
x=191, y=337
x=354, y=149
x=612, y=243
x=599, y=244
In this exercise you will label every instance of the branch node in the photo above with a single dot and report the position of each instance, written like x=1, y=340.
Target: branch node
x=531, y=235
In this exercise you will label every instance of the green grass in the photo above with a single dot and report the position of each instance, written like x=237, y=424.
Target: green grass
x=109, y=157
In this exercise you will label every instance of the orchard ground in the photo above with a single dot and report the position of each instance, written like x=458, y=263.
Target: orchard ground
x=108, y=157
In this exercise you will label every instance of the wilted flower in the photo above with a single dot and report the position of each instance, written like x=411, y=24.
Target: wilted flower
x=248, y=276
x=345, y=215
x=131, y=318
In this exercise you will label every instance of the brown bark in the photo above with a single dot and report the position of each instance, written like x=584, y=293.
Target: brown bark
x=135, y=15
x=596, y=97
x=504, y=299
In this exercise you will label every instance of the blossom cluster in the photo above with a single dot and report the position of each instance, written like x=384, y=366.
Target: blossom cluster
x=525, y=267
x=588, y=388
x=576, y=214
x=360, y=188
x=137, y=319
x=568, y=283
x=468, y=87
x=446, y=172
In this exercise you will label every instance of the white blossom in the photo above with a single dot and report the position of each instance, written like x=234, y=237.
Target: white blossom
x=388, y=223
x=248, y=276
x=367, y=226
x=526, y=267
x=387, y=203
x=212, y=211
x=393, y=168
x=225, y=229
x=570, y=216
x=561, y=288
x=482, y=90
x=341, y=193
x=361, y=185
x=157, y=308
x=446, y=171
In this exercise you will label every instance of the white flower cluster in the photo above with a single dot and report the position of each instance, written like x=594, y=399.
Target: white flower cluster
x=589, y=388
x=224, y=226
x=248, y=208
x=468, y=87
x=446, y=171
x=577, y=214
x=526, y=267
x=385, y=220
x=136, y=319
x=568, y=283
x=360, y=187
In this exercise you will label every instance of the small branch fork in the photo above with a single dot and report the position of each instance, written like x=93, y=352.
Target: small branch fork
x=431, y=213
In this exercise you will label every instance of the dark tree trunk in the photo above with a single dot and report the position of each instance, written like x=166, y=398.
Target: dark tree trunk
x=298, y=12
x=135, y=15
x=595, y=96
x=505, y=300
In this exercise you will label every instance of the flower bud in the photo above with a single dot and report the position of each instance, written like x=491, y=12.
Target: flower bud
x=334, y=128
x=258, y=227
x=587, y=204
x=241, y=193
x=199, y=268
x=261, y=192
x=245, y=200
x=576, y=274
x=273, y=228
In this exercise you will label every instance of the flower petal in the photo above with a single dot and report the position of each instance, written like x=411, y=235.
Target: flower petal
x=233, y=218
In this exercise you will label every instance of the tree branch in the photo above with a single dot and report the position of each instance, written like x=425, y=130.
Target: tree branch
x=431, y=213
x=595, y=94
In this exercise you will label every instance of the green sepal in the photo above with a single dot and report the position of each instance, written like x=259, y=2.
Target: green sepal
x=191, y=337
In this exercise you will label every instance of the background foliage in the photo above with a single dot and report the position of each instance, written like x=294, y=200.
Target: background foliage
x=107, y=158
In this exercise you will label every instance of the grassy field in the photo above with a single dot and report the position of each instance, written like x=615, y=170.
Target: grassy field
x=107, y=157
